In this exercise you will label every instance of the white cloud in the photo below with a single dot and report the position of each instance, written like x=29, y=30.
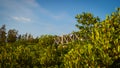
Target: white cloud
x=52, y=15
x=21, y=19
x=21, y=9
x=60, y=16
x=28, y=8
x=31, y=12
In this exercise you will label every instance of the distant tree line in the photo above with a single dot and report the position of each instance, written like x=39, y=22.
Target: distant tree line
x=12, y=36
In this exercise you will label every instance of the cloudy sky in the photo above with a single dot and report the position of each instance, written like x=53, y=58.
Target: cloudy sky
x=54, y=17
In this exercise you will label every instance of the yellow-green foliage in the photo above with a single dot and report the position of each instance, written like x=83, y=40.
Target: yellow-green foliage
x=103, y=46
x=100, y=48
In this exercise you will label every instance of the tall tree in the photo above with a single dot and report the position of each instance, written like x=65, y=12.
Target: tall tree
x=12, y=35
x=3, y=34
x=85, y=23
x=30, y=38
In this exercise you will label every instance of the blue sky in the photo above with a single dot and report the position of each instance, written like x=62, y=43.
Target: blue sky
x=55, y=17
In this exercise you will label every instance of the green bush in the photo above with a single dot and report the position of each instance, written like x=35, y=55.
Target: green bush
x=100, y=48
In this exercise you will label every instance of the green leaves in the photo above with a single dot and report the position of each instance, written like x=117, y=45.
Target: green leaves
x=86, y=19
x=98, y=49
x=46, y=40
x=103, y=44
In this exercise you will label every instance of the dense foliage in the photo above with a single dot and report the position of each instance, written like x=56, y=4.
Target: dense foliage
x=100, y=47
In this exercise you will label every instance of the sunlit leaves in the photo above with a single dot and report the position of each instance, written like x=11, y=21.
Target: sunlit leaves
x=98, y=49
x=105, y=42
